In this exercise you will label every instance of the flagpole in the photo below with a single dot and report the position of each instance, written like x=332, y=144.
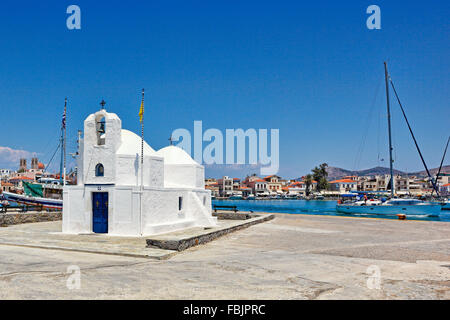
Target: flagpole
x=65, y=121
x=142, y=157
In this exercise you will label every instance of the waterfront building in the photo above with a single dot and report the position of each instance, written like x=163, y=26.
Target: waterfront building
x=297, y=188
x=214, y=188
x=236, y=184
x=251, y=178
x=6, y=186
x=225, y=186
x=123, y=191
x=17, y=181
x=368, y=184
x=258, y=186
x=4, y=174
x=445, y=189
x=210, y=181
x=343, y=185
x=246, y=191
x=443, y=178
x=273, y=183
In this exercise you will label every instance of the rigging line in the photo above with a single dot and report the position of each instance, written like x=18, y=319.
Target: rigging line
x=46, y=149
x=57, y=148
x=360, y=149
x=378, y=136
x=442, y=161
x=414, y=138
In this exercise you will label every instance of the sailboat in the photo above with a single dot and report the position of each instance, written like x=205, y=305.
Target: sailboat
x=394, y=205
x=34, y=194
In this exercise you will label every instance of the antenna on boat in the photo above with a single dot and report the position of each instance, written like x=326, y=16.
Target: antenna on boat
x=386, y=77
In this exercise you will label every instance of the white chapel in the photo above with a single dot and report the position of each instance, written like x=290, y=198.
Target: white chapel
x=109, y=196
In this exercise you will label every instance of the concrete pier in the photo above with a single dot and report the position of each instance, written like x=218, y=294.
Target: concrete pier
x=289, y=257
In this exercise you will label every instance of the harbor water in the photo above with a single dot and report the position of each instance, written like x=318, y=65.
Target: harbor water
x=315, y=207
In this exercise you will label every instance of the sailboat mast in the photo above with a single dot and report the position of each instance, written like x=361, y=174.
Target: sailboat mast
x=62, y=165
x=386, y=76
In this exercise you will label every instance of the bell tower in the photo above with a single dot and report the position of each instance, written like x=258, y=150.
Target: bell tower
x=102, y=138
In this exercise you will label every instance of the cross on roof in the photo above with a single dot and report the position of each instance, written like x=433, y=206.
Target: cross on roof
x=103, y=104
x=171, y=140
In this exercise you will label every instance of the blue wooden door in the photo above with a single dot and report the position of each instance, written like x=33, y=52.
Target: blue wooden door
x=100, y=212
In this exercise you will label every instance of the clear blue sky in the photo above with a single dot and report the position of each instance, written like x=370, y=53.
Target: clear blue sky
x=310, y=69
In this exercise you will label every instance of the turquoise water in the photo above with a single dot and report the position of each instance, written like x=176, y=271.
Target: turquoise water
x=316, y=207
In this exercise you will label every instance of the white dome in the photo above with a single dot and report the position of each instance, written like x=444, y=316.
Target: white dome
x=175, y=155
x=131, y=144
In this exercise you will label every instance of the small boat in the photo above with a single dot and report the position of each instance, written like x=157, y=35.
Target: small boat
x=46, y=203
x=251, y=197
x=391, y=207
x=236, y=195
x=446, y=205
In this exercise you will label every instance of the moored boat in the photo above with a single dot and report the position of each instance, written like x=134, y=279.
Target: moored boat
x=391, y=207
x=33, y=201
x=446, y=205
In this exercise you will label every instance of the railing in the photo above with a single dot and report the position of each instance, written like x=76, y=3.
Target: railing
x=231, y=208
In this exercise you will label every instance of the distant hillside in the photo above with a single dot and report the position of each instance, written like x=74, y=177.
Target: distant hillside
x=432, y=171
x=334, y=172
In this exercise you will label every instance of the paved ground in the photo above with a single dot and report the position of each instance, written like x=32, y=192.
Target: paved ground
x=291, y=257
x=48, y=235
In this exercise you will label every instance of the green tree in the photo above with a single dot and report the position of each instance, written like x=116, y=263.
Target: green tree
x=320, y=174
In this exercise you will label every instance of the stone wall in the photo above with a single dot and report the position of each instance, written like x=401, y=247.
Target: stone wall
x=7, y=219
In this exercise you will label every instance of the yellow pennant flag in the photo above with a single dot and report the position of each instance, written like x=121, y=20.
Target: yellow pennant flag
x=141, y=111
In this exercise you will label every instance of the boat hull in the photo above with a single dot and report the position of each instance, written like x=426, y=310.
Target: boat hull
x=409, y=210
x=446, y=206
x=33, y=201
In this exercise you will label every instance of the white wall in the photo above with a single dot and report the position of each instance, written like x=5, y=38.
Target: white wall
x=128, y=172
x=184, y=175
x=160, y=209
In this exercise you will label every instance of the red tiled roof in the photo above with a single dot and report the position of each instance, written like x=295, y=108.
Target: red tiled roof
x=343, y=180
x=446, y=185
x=20, y=178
